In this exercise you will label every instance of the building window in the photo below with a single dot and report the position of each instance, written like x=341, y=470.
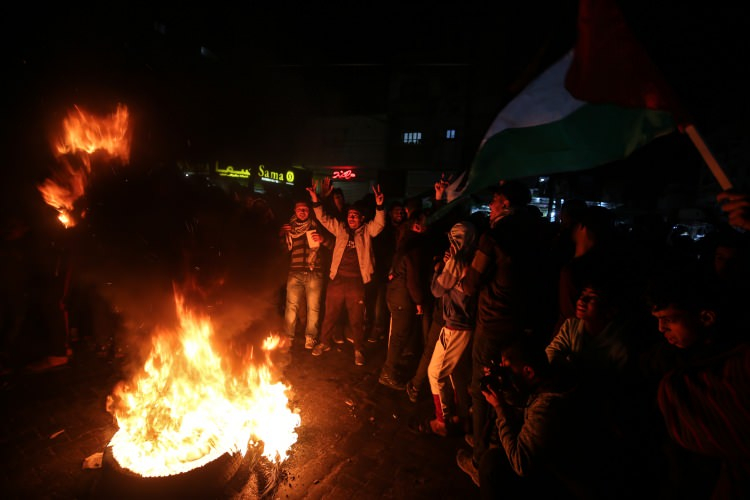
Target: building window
x=450, y=133
x=412, y=137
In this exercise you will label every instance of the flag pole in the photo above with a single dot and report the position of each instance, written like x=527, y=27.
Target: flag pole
x=708, y=157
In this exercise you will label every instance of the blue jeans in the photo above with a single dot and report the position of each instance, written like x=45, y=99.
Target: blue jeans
x=307, y=285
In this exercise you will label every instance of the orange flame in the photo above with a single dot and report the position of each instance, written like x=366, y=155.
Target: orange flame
x=62, y=193
x=184, y=410
x=83, y=135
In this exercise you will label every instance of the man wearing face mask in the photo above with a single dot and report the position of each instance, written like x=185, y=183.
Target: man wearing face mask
x=549, y=443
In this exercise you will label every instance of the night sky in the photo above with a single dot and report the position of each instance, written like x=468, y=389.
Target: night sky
x=210, y=78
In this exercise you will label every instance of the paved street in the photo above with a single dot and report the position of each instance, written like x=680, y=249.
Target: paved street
x=354, y=440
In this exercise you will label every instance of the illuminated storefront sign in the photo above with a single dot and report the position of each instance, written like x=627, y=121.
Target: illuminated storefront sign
x=343, y=173
x=230, y=171
x=260, y=173
x=268, y=175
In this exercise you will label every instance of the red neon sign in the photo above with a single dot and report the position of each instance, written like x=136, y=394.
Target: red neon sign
x=344, y=175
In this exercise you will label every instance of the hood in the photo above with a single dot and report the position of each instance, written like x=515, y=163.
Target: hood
x=462, y=236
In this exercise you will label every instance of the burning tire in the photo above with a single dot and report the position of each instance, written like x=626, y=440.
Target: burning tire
x=207, y=481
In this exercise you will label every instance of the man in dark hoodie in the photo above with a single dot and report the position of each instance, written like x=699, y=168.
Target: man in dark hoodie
x=408, y=294
x=505, y=274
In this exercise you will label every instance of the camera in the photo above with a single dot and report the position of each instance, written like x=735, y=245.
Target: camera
x=499, y=379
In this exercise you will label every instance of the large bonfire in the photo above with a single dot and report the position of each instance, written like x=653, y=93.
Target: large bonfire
x=188, y=404
x=186, y=408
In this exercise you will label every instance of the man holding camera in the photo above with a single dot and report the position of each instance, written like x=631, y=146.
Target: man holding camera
x=550, y=443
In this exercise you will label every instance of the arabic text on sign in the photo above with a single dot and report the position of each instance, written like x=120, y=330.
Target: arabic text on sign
x=229, y=171
x=344, y=175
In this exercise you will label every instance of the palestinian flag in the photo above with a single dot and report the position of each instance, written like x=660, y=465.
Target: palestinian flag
x=599, y=103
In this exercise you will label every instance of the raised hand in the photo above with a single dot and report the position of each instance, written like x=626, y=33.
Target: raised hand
x=378, y=195
x=440, y=186
x=326, y=187
x=313, y=191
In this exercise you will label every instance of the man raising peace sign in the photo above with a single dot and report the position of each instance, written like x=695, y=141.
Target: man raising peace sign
x=352, y=266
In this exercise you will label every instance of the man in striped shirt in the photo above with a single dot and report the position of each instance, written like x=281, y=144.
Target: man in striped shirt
x=305, y=240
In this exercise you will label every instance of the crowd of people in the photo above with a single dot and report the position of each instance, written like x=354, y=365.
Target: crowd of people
x=580, y=358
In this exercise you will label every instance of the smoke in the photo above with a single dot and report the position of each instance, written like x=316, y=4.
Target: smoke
x=149, y=233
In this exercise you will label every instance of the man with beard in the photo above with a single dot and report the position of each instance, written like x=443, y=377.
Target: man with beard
x=304, y=239
x=352, y=267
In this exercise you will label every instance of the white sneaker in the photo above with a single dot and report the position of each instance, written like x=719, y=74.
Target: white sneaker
x=359, y=358
x=309, y=342
x=320, y=349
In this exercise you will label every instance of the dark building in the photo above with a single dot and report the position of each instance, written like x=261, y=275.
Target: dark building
x=393, y=95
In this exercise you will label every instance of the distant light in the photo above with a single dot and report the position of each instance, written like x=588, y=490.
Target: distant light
x=412, y=137
x=206, y=52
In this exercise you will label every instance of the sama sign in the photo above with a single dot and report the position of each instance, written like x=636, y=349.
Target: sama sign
x=262, y=173
x=266, y=174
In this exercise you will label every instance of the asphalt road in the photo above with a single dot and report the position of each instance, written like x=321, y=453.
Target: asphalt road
x=354, y=440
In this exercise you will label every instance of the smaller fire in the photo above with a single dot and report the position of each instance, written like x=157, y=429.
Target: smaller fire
x=62, y=192
x=186, y=409
x=83, y=135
